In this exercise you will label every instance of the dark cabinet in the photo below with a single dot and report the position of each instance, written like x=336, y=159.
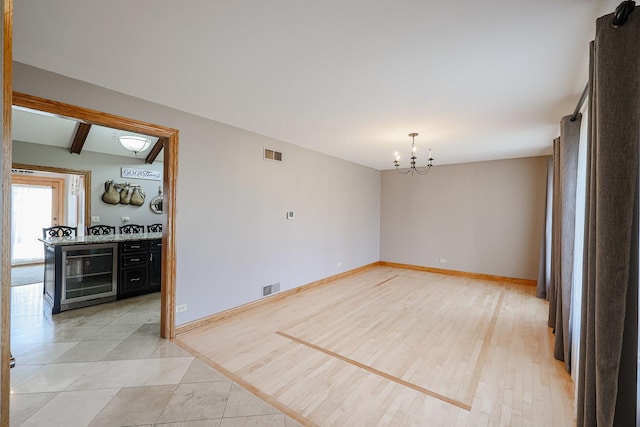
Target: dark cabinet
x=52, y=276
x=155, y=264
x=133, y=281
x=133, y=268
x=140, y=267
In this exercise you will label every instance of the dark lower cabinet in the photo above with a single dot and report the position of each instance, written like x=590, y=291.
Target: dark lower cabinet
x=133, y=282
x=155, y=265
x=140, y=267
x=133, y=278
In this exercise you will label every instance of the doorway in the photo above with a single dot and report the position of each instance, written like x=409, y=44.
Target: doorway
x=36, y=203
x=42, y=196
x=166, y=300
x=169, y=138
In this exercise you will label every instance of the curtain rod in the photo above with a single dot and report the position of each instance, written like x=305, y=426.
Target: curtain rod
x=622, y=13
x=583, y=98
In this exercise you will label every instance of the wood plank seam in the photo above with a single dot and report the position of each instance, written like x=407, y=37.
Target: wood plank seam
x=385, y=281
x=382, y=374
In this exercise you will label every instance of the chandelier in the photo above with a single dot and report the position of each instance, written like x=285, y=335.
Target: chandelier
x=412, y=167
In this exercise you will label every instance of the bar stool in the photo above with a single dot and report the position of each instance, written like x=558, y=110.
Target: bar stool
x=59, y=231
x=154, y=228
x=131, y=228
x=100, y=230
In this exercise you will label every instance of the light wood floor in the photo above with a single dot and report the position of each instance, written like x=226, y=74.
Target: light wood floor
x=399, y=347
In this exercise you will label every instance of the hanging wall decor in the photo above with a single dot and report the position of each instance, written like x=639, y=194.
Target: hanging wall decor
x=141, y=174
x=111, y=194
x=156, y=203
x=137, y=197
x=124, y=194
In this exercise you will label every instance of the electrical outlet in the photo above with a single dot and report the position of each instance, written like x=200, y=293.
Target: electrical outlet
x=125, y=219
x=180, y=308
x=95, y=218
x=339, y=263
x=443, y=260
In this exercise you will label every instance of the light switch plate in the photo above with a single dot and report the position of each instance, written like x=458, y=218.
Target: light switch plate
x=95, y=218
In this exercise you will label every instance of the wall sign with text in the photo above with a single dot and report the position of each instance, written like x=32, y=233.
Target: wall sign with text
x=141, y=174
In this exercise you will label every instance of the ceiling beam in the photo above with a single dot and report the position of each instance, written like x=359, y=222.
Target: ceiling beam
x=151, y=157
x=81, y=137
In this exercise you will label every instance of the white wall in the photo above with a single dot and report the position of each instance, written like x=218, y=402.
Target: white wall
x=232, y=236
x=483, y=217
x=103, y=167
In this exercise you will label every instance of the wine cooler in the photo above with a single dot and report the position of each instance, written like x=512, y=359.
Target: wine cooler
x=88, y=275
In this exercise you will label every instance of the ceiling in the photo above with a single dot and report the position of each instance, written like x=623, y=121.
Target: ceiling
x=42, y=128
x=477, y=80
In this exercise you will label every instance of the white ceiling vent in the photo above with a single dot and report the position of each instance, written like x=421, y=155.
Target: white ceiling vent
x=272, y=155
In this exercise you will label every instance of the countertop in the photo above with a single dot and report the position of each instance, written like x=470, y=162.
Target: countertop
x=108, y=238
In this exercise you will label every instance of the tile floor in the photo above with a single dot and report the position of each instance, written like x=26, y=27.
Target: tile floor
x=105, y=365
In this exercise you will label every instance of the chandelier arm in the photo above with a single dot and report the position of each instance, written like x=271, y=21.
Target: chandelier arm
x=403, y=173
x=423, y=171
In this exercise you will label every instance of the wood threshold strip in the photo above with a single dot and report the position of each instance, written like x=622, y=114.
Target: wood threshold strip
x=377, y=372
x=247, y=386
x=477, y=371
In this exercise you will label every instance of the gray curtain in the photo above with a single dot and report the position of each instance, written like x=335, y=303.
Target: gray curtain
x=544, y=268
x=555, y=235
x=565, y=181
x=609, y=335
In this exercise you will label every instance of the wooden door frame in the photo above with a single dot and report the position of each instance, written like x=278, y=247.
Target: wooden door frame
x=5, y=201
x=84, y=173
x=170, y=139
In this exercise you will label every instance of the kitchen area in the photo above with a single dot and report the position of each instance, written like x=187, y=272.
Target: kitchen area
x=93, y=269
x=114, y=278
x=101, y=306
x=105, y=178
